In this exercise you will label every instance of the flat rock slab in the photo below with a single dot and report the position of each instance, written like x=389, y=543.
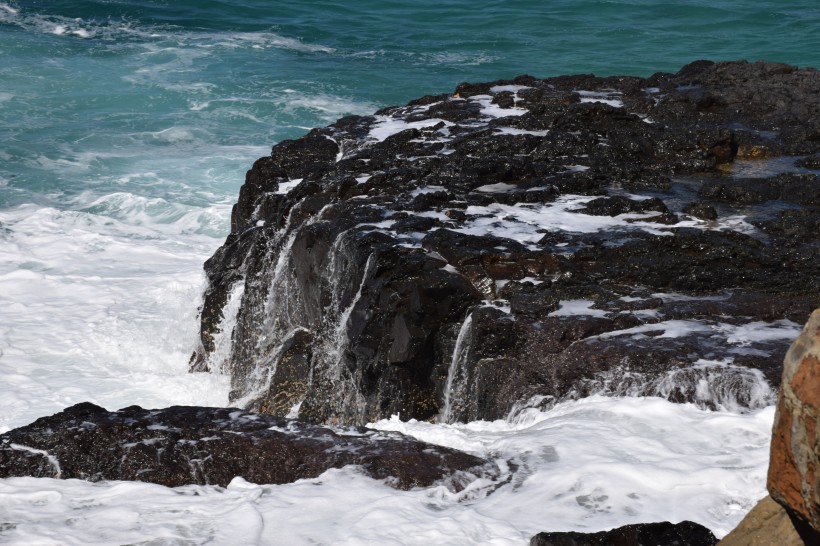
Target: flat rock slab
x=195, y=445
x=685, y=533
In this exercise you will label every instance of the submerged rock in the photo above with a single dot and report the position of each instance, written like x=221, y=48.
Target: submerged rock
x=526, y=241
x=195, y=445
x=685, y=533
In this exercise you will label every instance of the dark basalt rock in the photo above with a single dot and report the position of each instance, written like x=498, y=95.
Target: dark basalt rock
x=526, y=241
x=194, y=445
x=685, y=533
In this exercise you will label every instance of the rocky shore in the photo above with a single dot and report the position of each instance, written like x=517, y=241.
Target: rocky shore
x=509, y=245
x=184, y=445
x=521, y=242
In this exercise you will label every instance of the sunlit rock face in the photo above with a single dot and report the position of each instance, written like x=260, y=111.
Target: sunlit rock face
x=794, y=471
x=517, y=243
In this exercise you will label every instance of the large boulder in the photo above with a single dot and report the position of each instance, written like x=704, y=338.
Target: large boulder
x=794, y=470
x=525, y=241
x=194, y=445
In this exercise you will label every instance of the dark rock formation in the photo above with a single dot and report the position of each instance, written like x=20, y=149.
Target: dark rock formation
x=520, y=242
x=685, y=533
x=794, y=468
x=194, y=445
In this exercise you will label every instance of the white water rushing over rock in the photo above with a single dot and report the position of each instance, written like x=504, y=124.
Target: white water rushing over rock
x=586, y=465
x=454, y=374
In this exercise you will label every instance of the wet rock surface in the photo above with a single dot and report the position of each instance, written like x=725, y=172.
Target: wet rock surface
x=794, y=469
x=521, y=242
x=195, y=445
x=685, y=533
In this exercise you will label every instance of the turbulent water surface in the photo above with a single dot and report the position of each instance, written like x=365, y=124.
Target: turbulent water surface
x=125, y=131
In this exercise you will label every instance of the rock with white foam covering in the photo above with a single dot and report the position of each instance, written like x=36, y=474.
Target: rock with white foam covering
x=195, y=445
x=511, y=202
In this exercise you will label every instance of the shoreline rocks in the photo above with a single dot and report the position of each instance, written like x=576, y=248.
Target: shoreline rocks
x=195, y=445
x=685, y=533
x=522, y=242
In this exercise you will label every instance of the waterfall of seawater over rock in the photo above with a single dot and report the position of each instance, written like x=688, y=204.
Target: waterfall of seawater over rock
x=296, y=307
x=709, y=385
x=219, y=359
x=456, y=386
x=266, y=318
x=329, y=370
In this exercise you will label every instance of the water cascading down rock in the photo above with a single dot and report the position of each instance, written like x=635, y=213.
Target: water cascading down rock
x=521, y=242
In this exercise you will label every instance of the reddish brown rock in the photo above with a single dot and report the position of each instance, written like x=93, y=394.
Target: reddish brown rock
x=793, y=478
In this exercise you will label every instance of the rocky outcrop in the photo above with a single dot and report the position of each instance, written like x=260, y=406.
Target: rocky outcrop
x=685, y=533
x=194, y=445
x=768, y=523
x=794, y=470
x=520, y=242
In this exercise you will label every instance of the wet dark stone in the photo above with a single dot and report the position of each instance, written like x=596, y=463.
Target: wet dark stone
x=685, y=533
x=701, y=210
x=195, y=445
x=613, y=206
x=357, y=282
x=810, y=162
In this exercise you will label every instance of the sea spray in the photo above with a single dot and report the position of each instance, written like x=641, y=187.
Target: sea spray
x=455, y=389
x=219, y=360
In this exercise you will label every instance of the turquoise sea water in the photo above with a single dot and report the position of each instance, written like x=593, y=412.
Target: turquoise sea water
x=164, y=98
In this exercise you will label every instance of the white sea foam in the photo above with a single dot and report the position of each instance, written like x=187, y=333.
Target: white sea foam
x=526, y=223
x=742, y=335
x=98, y=308
x=60, y=25
x=508, y=88
x=607, y=97
x=571, y=308
x=514, y=131
x=285, y=187
x=387, y=126
x=588, y=465
x=495, y=111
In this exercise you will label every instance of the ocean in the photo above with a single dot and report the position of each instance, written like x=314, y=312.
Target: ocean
x=126, y=128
